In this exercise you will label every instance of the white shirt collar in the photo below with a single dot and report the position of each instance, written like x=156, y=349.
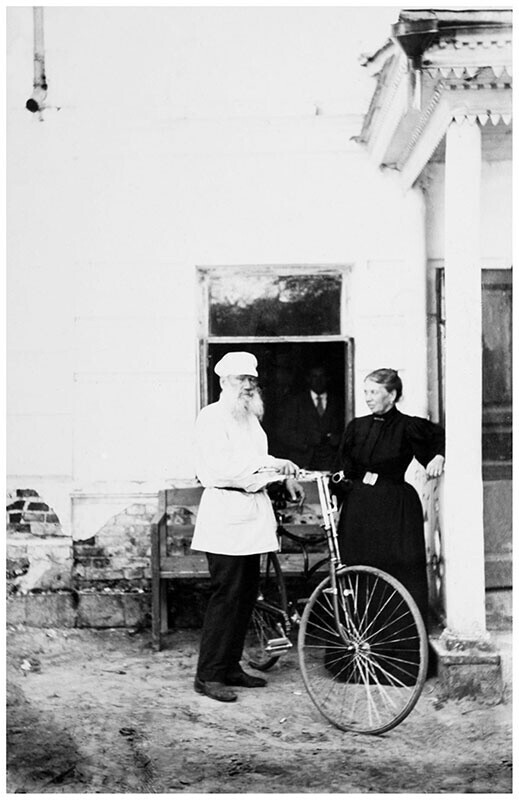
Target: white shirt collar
x=323, y=396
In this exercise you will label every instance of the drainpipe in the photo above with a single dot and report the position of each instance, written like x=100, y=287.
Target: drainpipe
x=414, y=38
x=36, y=101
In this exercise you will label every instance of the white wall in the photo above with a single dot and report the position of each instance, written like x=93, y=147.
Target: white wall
x=205, y=63
x=186, y=137
x=390, y=294
x=496, y=213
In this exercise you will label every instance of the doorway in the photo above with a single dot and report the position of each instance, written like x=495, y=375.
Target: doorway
x=282, y=366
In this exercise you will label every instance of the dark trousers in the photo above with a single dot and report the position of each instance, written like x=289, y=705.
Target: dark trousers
x=234, y=589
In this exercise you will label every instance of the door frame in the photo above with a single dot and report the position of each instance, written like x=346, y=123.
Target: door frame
x=348, y=341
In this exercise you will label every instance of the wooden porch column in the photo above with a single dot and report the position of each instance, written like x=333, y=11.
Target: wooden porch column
x=463, y=490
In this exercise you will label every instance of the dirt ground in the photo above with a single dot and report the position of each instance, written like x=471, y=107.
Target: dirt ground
x=100, y=712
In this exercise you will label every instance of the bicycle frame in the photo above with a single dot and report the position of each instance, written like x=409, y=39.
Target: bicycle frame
x=329, y=509
x=281, y=620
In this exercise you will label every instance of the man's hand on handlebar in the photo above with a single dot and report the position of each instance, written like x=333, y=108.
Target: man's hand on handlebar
x=295, y=490
x=286, y=467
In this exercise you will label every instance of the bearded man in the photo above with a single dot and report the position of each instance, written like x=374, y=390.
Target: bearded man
x=235, y=521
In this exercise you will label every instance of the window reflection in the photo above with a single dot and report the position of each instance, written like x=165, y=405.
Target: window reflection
x=245, y=304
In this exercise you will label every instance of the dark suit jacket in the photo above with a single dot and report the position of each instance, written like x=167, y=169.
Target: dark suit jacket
x=306, y=438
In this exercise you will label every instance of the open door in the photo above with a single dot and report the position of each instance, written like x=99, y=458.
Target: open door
x=282, y=367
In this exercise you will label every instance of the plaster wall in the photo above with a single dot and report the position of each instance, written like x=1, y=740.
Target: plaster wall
x=496, y=240
x=225, y=143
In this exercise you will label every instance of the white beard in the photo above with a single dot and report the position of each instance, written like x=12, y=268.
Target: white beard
x=242, y=406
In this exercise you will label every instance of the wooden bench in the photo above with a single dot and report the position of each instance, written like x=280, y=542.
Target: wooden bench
x=173, y=525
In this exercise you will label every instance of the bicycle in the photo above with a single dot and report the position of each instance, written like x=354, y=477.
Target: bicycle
x=362, y=643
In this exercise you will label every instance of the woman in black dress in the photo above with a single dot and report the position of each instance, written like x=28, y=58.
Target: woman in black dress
x=381, y=519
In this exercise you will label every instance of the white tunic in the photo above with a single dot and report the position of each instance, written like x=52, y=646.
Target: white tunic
x=230, y=453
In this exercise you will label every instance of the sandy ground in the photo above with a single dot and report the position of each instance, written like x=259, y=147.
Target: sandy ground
x=100, y=712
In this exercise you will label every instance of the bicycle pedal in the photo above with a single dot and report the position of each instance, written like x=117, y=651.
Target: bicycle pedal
x=280, y=645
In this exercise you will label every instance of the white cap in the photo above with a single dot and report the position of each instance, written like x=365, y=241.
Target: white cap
x=237, y=364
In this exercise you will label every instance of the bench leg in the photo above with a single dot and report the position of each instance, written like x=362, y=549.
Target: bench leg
x=159, y=612
x=159, y=604
x=164, y=627
x=155, y=614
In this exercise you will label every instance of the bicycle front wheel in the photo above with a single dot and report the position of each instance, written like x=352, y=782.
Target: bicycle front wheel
x=364, y=658
x=267, y=637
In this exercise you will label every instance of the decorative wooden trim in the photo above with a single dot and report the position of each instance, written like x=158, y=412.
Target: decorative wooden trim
x=467, y=61
x=429, y=137
x=467, y=72
x=445, y=106
x=422, y=125
x=392, y=110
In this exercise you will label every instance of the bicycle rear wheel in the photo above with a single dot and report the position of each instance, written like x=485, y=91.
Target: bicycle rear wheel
x=365, y=670
x=267, y=638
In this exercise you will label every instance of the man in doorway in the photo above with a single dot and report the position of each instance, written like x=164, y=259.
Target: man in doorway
x=311, y=423
x=235, y=521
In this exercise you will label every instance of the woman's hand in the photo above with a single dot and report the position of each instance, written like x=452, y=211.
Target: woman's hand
x=295, y=490
x=435, y=467
x=286, y=467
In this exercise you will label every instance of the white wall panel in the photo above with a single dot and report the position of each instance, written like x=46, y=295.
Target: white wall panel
x=135, y=344
x=133, y=427
x=39, y=444
x=496, y=211
x=40, y=382
x=134, y=289
x=496, y=230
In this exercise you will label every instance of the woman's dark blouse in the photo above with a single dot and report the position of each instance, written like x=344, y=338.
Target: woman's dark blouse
x=381, y=525
x=399, y=437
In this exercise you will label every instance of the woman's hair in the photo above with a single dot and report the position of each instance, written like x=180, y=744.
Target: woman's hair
x=389, y=378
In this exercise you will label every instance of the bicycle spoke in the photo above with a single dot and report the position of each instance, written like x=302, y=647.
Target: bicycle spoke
x=363, y=663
